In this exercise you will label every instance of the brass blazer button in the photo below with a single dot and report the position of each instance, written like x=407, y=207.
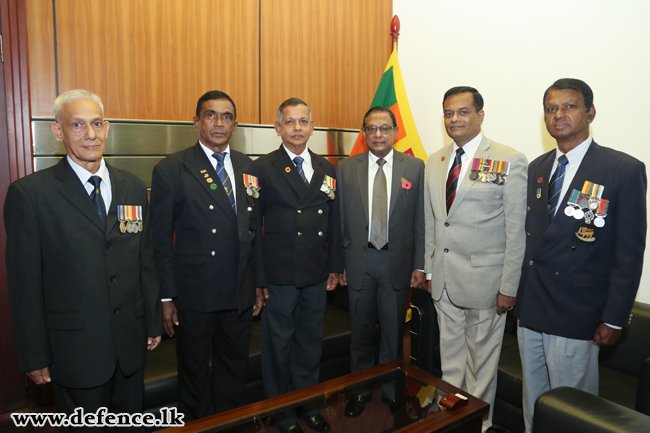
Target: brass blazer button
x=214, y=231
x=320, y=233
x=530, y=262
x=211, y=207
x=213, y=253
x=299, y=233
x=320, y=211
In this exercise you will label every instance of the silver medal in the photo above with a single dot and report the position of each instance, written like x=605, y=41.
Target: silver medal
x=599, y=222
x=568, y=211
x=578, y=214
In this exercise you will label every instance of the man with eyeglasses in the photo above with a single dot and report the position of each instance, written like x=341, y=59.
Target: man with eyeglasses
x=207, y=243
x=382, y=223
x=475, y=208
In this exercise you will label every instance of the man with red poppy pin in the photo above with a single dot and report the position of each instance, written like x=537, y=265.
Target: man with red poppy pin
x=382, y=223
x=475, y=206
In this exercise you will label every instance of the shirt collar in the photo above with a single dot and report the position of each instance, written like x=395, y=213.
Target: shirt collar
x=372, y=160
x=209, y=152
x=304, y=155
x=576, y=154
x=471, y=146
x=84, y=174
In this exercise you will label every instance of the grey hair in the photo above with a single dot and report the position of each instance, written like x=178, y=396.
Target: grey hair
x=292, y=102
x=73, y=95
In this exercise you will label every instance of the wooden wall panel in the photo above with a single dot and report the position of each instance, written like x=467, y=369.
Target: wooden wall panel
x=329, y=53
x=153, y=59
x=42, y=76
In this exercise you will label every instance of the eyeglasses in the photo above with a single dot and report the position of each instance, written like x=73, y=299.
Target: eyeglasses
x=373, y=129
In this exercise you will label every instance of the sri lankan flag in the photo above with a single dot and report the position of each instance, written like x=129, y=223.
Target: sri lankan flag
x=392, y=94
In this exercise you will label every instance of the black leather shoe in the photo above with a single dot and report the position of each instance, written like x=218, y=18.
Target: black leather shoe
x=317, y=423
x=291, y=429
x=356, y=405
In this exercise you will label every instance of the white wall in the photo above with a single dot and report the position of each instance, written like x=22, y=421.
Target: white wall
x=512, y=50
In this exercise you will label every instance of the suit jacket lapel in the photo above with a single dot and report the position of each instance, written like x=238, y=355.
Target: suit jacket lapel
x=398, y=171
x=317, y=178
x=543, y=171
x=241, y=200
x=362, y=180
x=282, y=162
x=443, y=172
x=118, y=196
x=465, y=184
x=72, y=188
x=196, y=162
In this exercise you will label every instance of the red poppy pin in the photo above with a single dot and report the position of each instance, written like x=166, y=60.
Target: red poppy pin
x=539, y=180
x=287, y=169
x=406, y=185
x=442, y=159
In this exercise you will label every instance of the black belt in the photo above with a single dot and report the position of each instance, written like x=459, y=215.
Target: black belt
x=370, y=245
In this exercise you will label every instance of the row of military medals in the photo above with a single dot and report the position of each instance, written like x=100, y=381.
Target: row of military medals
x=588, y=204
x=130, y=218
x=490, y=171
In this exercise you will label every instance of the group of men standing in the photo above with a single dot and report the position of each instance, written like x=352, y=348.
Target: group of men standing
x=229, y=236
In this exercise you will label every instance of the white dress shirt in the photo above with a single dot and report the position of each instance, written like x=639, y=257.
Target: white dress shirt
x=307, y=167
x=104, y=187
x=227, y=164
x=372, y=172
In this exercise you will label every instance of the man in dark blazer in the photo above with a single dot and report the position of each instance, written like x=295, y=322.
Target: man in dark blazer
x=206, y=255
x=83, y=293
x=379, y=273
x=302, y=257
x=584, y=249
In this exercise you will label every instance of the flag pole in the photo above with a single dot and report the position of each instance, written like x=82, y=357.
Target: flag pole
x=394, y=31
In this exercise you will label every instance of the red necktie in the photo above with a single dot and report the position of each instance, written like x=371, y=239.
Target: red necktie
x=452, y=178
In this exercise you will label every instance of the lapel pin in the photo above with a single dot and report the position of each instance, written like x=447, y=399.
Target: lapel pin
x=287, y=169
x=213, y=186
x=539, y=180
x=539, y=193
x=442, y=159
x=209, y=180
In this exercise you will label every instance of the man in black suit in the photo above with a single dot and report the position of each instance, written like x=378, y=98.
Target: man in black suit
x=382, y=220
x=206, y=231
x=302, y=257
x=83, y=289
x=586, y=229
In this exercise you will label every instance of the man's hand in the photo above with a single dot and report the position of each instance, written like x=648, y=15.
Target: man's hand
x=417, y=278
x=606, y=335
x=332, y=281
x=40, y=377
x=260, y=295
x=170, y=317
x=153, y=342
x=505, y=303
x=343, y=278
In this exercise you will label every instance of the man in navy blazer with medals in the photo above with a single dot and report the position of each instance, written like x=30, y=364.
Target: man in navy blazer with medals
x=206, y=237
x=302, y=257
x=586, y=229
x=83, y=290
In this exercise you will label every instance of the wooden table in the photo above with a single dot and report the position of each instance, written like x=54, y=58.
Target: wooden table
x=416, y=408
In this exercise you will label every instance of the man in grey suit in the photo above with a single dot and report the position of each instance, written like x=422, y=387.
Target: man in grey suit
x=382, y=222
x=83, y=288
x=475, y=206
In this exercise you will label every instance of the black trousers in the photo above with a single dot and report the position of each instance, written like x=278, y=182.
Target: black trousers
x=225, y=334
x=121, y=394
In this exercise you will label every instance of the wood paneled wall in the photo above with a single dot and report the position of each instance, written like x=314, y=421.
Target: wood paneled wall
x=152, y=59
x=331, y=54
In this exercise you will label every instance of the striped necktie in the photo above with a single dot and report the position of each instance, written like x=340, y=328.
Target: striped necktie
x=555, y=186
x=452, y=178
x=298, y=160
x=96, y=196
x=225, y=179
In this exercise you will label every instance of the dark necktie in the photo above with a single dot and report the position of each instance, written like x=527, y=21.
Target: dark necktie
x=555, y=186
x=452, y=178
x=224, y=178
x=298, y=160
x=96, y=196
x=379, y=229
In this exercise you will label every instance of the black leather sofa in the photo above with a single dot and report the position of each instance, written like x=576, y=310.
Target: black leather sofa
x=161, y=381
x=624, y=367
x=569, y=410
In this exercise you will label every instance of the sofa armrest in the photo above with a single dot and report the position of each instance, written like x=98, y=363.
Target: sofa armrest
x=643, y=389
x=570, y=410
